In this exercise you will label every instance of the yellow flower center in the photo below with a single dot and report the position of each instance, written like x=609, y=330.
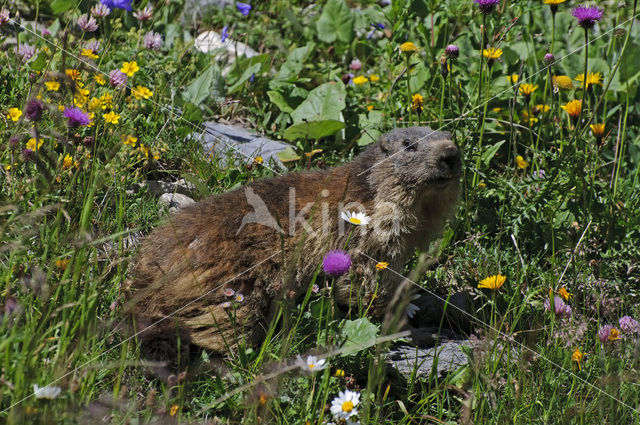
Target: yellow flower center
x=355, y=220
x=347, y=406
x=311, y=366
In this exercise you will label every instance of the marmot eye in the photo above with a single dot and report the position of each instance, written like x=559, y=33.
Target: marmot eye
x=409, y=145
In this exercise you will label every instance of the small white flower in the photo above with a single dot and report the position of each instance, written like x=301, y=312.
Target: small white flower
x=359, y=219
x=312, y=364
x=344, y=406
x=49, y=392
x=226, y=304
x=229, y=292
x=411, y=310
x=239, y=297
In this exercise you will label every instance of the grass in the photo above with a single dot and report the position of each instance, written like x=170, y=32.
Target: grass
x=565, y=216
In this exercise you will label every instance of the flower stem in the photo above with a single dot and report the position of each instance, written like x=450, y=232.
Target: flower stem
x=409, y=93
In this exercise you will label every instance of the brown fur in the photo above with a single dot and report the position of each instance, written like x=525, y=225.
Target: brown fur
x=185, y=265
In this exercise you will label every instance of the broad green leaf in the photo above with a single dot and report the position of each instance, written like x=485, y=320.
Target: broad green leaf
x=369, y=124
x=358, y=335
x=244, y=62
x=336, y=22
x=278, y=99
x=39, y=63
x=61, y=6
x=313, y=129
x=490, y=152
x=293, y=65
x=288, y=155
x=325, y=102
x=246, y=75
x=200, y=88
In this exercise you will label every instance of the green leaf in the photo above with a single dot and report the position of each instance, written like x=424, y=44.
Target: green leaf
x=61, y=6
x=200, y=88
x=490, y=152
x=325, y=102
x=358, y=335
x=253, y=69
x=336, y=22
x=294, y=64
x=313, y=129
x=288, y=155
x=39, y=63
x=242, y=63
x=370, y=126
x=278, y=99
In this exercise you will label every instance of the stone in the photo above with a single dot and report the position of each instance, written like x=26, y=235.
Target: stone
x=158, y=187
x=447, y=357
x=175, y=201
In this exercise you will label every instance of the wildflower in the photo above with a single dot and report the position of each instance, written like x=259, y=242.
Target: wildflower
x=87, y=23
x=4, y=16
x=452, y=51
x=374, y=78
x=225, y=33
x=587, y=16
x=560, y=308
x=361, y=79
x=417, y=102
x=131, y=141
x=152, y=40
x=258, y=160
x=117, y=78
x=107, y=100
x=382, y=265
x=144, y=14
x=339, y=373
x=408, y=47
x=539, y=108
x=67, y=162
x=226, y=305
x=311, y=364
x=521, y=162
x=492, y=53
x=513, y=78
x=356, y=218
x=26, y=51
x=592, y=78
x=129, y=68
x=487, y=6
x=76, y=117
x=598, y=130
x=33, y=110
x=244, y=8
x=99, y=78
x=369, y=108
x=31, y=144
x=229, y=292
x=336, y=263
x=577, y=357
x=344, y=406
x=492, y=282
x=549, y=58
x=141, y=92
x=52, y=85
x=573, y=108
x=541, y=174
x=62, y=263
x=355, y=65
x=628, y=325
x=118, y=4
x=95, y=104
x=608, y=333
x=553, y=5
x=239, y=297
x=315, y=288
x=526, y=89
x=563, y=291
x=562, y=82
x=174, y=410
x=74, y=74
x=111, y=117
x=14, y=114
x=89, y=53
x=49, y=392
x=100, y=10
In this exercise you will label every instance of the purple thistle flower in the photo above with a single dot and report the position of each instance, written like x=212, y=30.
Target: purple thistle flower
x=28, y=155
x=87, y=23
x=452, y=51
x=144, y=14
x=336, y=263
x=27, y=51
x=225, y=33
x=628, y=325
x=100, y=10
x=93, y=45
x=76, y=117
x=561, y=309
x=34, y=109
x=587, y=16
x=487, y=6
x=549, y=59
x=119, y=4
x=152, y=40
x=355, y=65
x=244, y=8
x=45, y=32
x=117, y=78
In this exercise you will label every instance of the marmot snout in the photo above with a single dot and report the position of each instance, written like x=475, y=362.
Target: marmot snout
x=266, y=240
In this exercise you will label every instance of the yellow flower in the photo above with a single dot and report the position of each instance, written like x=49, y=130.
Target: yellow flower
x=497, y=110
x=492, y=53
x=592, y=78
x=408, y=47
x=527, y=118
x=67, y=162
x=521, y=162
x=597, y=129
x=174, y=410
x=62, y=264
x=492, y=282
x=540, y=108
x=96, y=103
x=482, y=184
x=339, y=373
x=89, y=53
x=130, y=68
x=614, y=334
x=374, y=78
x=573, y=108
x=577, y=357
x=14, y=114
x=31, y=144
x=258, y=160
x=553, y=2
x=526, y=89
x=107, y=100
x=80, y=91
x=360, y=79
x=417, y=101
x=562, y=82
x=92, y=117
x=74, y=74
x=564, y=293
x=100, y=79
x=111, y=117
x=369, y=107
x=52, y=85
x=130, y=140
x=80, y=100
x=61, y=108
x=141, y=92
x=382, y=265
x=513, y=78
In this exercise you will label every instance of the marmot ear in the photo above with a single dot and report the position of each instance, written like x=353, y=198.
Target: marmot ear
x=385, y=144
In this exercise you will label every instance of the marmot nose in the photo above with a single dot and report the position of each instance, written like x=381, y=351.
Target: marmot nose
x=450, y=157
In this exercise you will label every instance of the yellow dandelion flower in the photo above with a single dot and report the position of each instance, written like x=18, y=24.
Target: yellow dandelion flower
x=74, y=74
x=417, y=101
x=52, y=85
x=99, y=78
x=492, y=282
x=577, y=357
x=174, y=410
x=141, y=92
x=89, y=53
x=562, y=82
x=592, y=78
x=31, y=144
x=597, y=129
x=111, y=117
x=573, y=108
x=526, y=89
x=369, y=107
x=61, y=108
x=130, y=140
x=553, y=2
x=374, y=78
x=521, y=162
x=513, y=78
x=14, y=114
x=564, y=293
x=67, y=161
x=382, y=265
x=540, y=108
x=408, y=47
x=360, y=79
x=492, y=53
x=130, y=68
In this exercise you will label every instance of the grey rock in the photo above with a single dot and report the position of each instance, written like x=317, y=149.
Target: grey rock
x=175, y=201
x=445, y=357
x=211, y=41
x=158, y=187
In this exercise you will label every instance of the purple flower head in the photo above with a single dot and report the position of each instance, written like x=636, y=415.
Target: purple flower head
x=604, y=334
x=100, y=10
x=355, y=65
x=119, y=4
x=45, y=32
x=225, y=33
x=244, y=8
x=144, y=14
x=27, y=51
x=541, y=174
x=379, y=25
x=587, y=16
x=336, y=263
x=93, y=45
x=561, y=309
x=117, y=78
x=452, y=51
x=87, y=23
x=76, y=117
x=628, y=325
x=28, y=154
x=549, y=59
x=4, y=16
x=152, y=40
x=34, y=109
x=487, y=6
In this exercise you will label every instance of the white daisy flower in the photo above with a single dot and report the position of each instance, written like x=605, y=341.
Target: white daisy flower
x=344, y=406
x=49, y=392
x=312, y=364
x=226, y=304
x=359, y=219
x=239, y=297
